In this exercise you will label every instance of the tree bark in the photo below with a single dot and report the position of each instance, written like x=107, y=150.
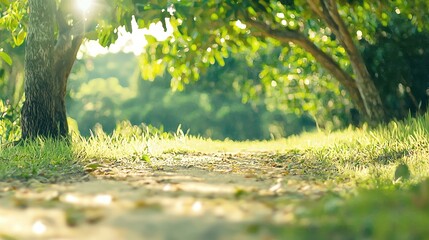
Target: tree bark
x=47, y=67
x=63, y=65
x=37, y=118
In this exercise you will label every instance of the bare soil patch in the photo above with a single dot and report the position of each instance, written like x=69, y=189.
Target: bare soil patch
x=172, y=196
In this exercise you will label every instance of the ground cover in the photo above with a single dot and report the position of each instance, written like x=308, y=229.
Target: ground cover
x=142, y=184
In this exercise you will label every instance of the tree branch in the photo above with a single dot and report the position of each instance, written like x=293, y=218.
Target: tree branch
x=284, y=35
x=287, y=36
x=69, y=35
x=69, y=39
x=314, y=6
x=329, y=11
x=363, y=80
x=320, y=8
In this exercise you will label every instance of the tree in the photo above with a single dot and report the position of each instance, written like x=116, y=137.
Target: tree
x=51, y=49
x=55, y=31
x=327, y=10
x=47, y=66
x=205, y=31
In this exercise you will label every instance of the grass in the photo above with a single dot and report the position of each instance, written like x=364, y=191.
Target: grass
x=372, y=214
x=44, y=160
x=381, y=205
x=362, y=156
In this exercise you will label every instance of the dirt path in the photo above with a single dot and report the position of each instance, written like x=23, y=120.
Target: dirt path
x=174, y=196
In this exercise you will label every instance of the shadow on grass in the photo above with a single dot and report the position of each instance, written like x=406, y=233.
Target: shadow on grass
x=44, y=160
x=391, y=156
x=306, y=163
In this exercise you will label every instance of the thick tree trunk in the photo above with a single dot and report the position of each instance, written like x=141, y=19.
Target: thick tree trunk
x=38, y=117
x=47, y=67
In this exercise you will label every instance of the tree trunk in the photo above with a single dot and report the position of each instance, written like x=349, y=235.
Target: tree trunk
x=374, y=109
x=64, y=61
x=47, y=67
x=38, y=117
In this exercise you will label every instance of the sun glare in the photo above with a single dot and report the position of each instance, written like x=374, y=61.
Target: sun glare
x=84, y=5
x=133, y=42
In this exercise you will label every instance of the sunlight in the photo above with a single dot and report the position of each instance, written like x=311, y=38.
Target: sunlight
x=197, y=207
x=70, y=198
x=240, y=25
x=103, y=199
x=39, y=227
x=84, y=5
x=133, y=42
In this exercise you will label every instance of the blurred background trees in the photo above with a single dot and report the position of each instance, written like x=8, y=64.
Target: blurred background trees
x=108, y=89
x=397, y=58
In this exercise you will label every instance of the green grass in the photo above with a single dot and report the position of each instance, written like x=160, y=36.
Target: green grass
x=371, y=214
x=43, y=160
x=359, y=156
x=379, y=205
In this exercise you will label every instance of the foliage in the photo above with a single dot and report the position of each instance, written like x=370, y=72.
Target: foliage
x=99, y=101
x=13, y=20
x=9, y=122
x=13, y=16
x=279, y=86
x=397, y=57
x=12, y=76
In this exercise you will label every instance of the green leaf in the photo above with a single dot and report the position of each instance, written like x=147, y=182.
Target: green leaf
x=21, y=37
x=145, y=158
x=211, y=59
x=93, y=166
x=6, y=57
x=148, y=17
x=150, y=39
x=219, y=58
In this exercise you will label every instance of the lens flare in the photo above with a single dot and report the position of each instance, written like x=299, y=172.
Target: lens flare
x=84, y=5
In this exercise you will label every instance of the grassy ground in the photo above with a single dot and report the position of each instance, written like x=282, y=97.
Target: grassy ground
x=362, y=183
